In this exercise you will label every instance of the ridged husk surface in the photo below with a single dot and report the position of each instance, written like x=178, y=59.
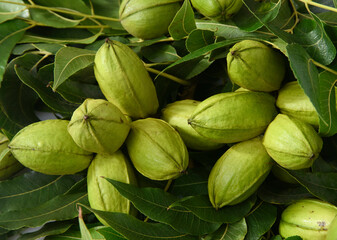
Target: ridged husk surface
x=217, y=9
x=292, y=143
x=294, y=102
x=156, y=149
x=307, y=218
x=255, y=66
x=238, y=173
x=124, y=81
x=98, y=126
x=177, y=114
x=103, y=195
x=233, y=116
x=47, y=147
x=148, y=19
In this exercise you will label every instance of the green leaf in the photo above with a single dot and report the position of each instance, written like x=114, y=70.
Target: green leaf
x=49, y=229
x=110, y=234
x=327, y=81
x=277, y=192
x=61, y=36
x=61, y=207
x=77, y=5
x=17, y=100
x=229, y=31
x=320, y=184
x=32, y=189
x=50, y=98
x=264, y=12
x=85, y=234
x=8, y=126
x=51, y=48
x=183, y=22
x=52, y=19
x=108, y=8
x=132, y=228
x=202, y=207
x=11, y=10
x=75, y=233
x=232, y=231
x=199, y=38
x=155, y=203
x=159, y=53
x=260, y=220
x=10, y=33
x=68, y=61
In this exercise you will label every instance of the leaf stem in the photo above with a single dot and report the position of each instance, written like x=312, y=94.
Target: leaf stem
x=169, y=76
x=310, y=2
x=324, y=67
x=295, y=13
x=65, y=11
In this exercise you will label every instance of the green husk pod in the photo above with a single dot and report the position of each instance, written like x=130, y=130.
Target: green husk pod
x=8, y=164
x=148, y=19
x=47, y=147
x=292, y=143
x=255, y=66
x=233, y=116
x=294, y=102
x=124, y=81
x=217, y=9
x=156, y=149
x=332, y=231
x=103, y=195
x=238, y=173
x=177, y=114
x=98, y=126
x=308, y=218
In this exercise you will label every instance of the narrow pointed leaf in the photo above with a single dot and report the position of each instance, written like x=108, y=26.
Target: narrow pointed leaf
x=49, y=229
x=232, y=231
x=61, y=207
x=183, y=23
x=75, y=233
x=154, y=203
x=85, y=234
x=132, y=228
x=202, y=207
x=260, y=221
x=10, y=33
x=32, y=189
x=68, y=61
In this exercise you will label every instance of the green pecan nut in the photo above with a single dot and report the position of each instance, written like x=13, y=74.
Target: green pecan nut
x=217, y=9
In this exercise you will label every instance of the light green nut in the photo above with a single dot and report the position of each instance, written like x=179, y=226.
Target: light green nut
x=255, y=66
x=292, y=143
x=308, y=218
x=124, y=81
x=217, y=9
x=98, y=126
x=8, y=164
x=233, y=116
x=148, y=19
x=156, y=149
x=103, y=195
x=48, y=148
x=177, y=114
x=294, y=102
x=238, y=173
x=332, y=231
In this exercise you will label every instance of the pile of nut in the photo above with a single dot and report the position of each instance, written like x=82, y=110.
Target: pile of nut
x=267, y=123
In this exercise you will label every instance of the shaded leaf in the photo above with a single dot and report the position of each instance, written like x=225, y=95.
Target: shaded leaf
x=17, y=100
x=183, y=22
x=75, y=233
x=110, y=234
x=9, y=10
x=320, y=184
x=51, y=48
x=50, y=98
x=160, y=53
x=155, y=203
x=199, y=38
x=8, y=126
x=61, y=207
x=277, y=192
x=49, y=229
x=132, y=228
x=202, y=207
x=264, y=12
x=108, y=8
x=10, y=33
x=68, y=61
x=32, y=189
x=77, y=5
x=232, y=231
x=260, y=220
